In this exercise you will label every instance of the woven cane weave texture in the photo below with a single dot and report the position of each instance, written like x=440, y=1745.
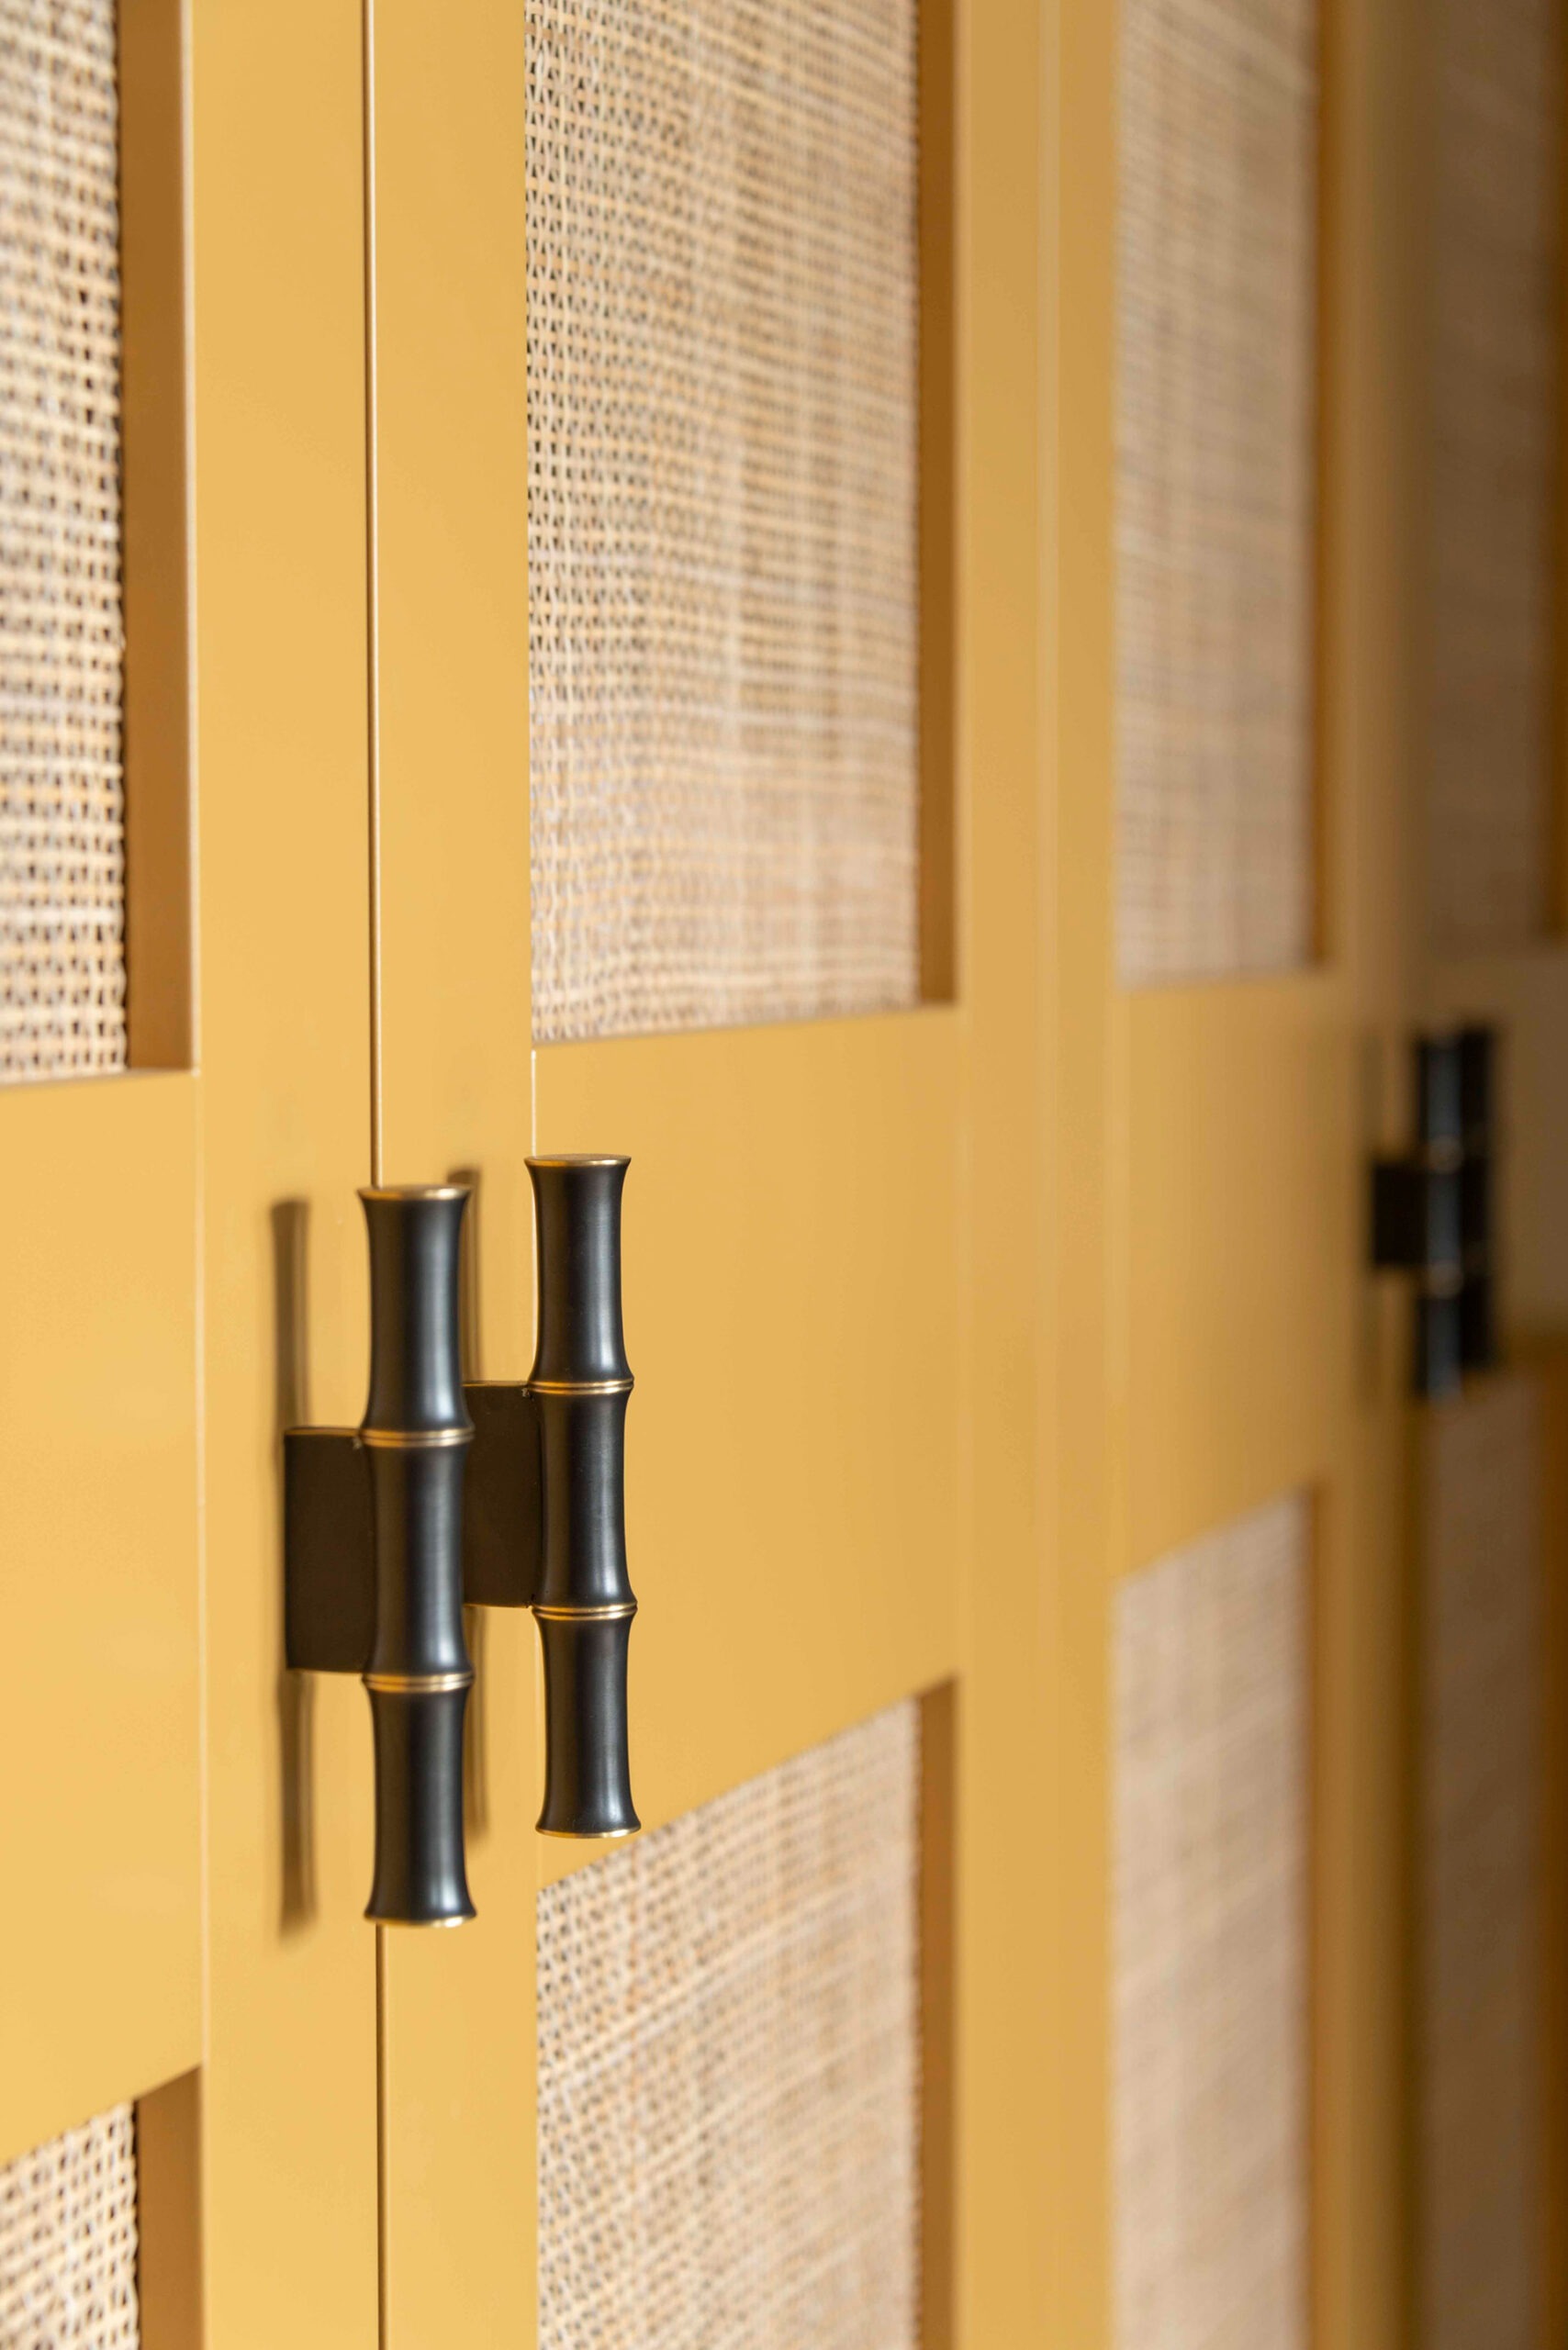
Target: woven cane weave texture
x=1492, y=499
x=1210, y=1939
x=62, y=830
x=729, y=2068
x=1216, y=380
x=1481, y=2044
x=68, y=2241
x=723, y=310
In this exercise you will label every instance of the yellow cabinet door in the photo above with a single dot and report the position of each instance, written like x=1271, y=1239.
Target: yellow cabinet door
x=1226, y=1675
x=100, y=1748
x=814, y=1343
x=835, y=1252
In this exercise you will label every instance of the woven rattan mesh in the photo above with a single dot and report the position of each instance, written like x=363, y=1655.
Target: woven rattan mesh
x=1216, y=485
x=729, y=2068
x=68, y=2241
x=1482, y=2050
x=723, y=558
x=1210, y=1955
x=62, y=833
x=1491, y=501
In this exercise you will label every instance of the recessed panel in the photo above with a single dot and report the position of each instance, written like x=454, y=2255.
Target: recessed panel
x=1481, y=2051
x=722, y=390
x=1211, y=1896
x=729, y=2068
x=68, y=2242
x=61, y=635
x=1216, y=402
x=1490, y=502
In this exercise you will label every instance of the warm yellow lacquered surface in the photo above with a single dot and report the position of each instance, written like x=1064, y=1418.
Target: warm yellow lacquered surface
x=1011, y=1822
x=455, y=993
x=1245, y=1209
x=289, y=2085
x=99, y=1740
x=793, y=1318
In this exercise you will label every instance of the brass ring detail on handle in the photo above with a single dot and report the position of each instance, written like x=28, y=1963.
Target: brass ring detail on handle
x=580, y=1386
x=417, y=1685
x=567, y=1614
x=413, y=1439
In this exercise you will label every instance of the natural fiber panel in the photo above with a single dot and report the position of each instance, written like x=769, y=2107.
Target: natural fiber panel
x=1480, y=2025
x=729, y=2068
x=62, y=833
x=1210, y=1941
x=1491, y=501
x=723, y=561
x=1217, y=382
x=68, y=2241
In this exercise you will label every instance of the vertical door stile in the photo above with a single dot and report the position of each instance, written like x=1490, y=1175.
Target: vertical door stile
x=456, y=1066
x=1015, y=1823
x=289, y=2090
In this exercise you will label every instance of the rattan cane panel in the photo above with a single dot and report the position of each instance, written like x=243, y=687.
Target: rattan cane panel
x=1480, y=2023
x=729, y=2068
x=1492, y=501
x=722, y=314
x=1210, y=1941
x=61, y=829
x=1216, y=378
x=68, y=2241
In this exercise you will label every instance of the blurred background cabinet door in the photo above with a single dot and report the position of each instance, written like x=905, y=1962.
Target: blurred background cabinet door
x=1230, y=1572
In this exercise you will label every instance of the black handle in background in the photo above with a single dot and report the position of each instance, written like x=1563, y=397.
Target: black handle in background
x=1478, y=1297
x=1437, y=1363
x=416, y=1433
x=580, y=1385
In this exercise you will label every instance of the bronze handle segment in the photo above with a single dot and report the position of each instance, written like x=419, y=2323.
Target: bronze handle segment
x=547, y=1520
x=582, y=1383
x=383, y=1545
x=374, y=1544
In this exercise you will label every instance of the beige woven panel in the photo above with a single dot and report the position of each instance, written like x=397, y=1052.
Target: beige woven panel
x=68, y=2241
x=729, y=2069
x=1492, y=502
x=722, y=559
x=1210, y=1942
x=62, y=833
x=1480, y=2027
x=1217, y=382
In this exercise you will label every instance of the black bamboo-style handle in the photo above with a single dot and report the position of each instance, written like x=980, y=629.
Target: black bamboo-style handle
x=1478, y=1303
x=580, y=1383
x=416, y=1432
x=1416, y=1217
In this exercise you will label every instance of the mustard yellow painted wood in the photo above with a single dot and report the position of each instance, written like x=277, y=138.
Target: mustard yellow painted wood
x=792, y=1317
x=289, y=2141
x=168, y=2265
x=455, y=979
x=99, y=1740
x=1218, y=1340
x=800, y=1477
x=99, y=1599
x=1012, y=1825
